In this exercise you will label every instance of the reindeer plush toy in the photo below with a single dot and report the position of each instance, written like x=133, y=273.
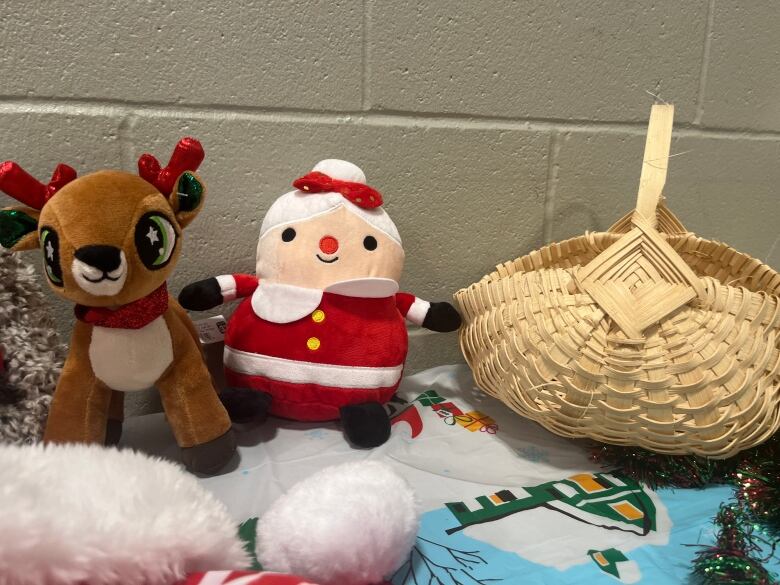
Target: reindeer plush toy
x=110, y=240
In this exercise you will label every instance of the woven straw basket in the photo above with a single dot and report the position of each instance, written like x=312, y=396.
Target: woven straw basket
x=643, y=335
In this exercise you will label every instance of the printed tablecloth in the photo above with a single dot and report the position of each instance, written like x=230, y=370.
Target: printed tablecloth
x=505, y=501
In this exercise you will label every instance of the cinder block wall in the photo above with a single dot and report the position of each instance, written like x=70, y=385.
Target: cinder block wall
x=490, y=126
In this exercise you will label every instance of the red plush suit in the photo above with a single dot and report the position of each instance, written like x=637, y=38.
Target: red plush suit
x=347, y=350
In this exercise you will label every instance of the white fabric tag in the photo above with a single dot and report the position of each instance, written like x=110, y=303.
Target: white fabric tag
x=211, y=330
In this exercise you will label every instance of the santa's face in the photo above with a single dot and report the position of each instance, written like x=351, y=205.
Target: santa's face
x=330, y=248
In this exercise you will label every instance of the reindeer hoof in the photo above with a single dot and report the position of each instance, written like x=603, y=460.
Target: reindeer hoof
x=209, y=458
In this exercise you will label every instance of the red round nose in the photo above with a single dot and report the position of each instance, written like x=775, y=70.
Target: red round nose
x=329, y=245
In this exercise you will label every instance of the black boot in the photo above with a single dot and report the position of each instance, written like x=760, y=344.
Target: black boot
x=365, y=425
x=245, y=405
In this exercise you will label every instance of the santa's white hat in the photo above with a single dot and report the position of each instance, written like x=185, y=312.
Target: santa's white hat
x=299, y=205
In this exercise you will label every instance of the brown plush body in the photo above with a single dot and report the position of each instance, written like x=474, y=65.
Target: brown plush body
x=83, y=405
x=110, y=240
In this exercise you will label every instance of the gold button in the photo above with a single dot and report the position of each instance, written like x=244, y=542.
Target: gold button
x=313, y=343
x=318, y=316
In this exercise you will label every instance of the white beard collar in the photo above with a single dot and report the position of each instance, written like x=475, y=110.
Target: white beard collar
x=285, y=303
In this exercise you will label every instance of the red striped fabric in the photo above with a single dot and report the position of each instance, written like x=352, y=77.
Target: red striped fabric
x=242, y=578
x=247, y=578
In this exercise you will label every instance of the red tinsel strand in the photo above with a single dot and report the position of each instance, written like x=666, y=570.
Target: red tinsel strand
x=733, y=559
x=758, y=492
x=657, y=470
x=736, y=557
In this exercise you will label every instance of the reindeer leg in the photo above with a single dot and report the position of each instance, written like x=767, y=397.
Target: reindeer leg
x=79, y=409
x=198, y=419
x=243, y=405
x=116, y=415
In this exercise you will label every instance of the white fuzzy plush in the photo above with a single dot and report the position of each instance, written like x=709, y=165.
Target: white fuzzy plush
x=85, y=514
x=351, y=524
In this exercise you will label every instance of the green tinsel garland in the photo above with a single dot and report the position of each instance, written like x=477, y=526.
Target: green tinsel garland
x=735, y=557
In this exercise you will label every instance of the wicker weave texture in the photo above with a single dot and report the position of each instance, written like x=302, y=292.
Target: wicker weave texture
x=705, y=379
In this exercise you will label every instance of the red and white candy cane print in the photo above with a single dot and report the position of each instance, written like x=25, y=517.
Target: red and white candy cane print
x=243, y=578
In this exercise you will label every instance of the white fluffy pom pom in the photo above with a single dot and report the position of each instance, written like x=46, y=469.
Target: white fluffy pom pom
x=88, y=514
x=351, y=524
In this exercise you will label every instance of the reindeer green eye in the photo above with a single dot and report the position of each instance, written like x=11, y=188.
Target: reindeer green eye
x=155, y=240
x=50, y=244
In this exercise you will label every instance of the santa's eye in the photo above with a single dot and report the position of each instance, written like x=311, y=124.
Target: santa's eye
x=50, y=244
x=288, y=235
x=370, y=243
x=155, y=240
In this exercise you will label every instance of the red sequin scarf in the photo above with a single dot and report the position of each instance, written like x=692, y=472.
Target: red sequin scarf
x=130, y=316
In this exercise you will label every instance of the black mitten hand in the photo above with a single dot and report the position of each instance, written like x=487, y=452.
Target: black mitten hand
x=201, y=295
x=441, y=317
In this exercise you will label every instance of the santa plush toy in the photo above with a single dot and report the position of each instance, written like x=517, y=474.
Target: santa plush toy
x=321, y=332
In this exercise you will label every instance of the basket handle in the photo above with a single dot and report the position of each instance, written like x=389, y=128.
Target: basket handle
x=640, y=279
x=655, y=162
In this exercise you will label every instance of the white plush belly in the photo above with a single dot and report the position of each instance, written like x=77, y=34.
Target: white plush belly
x=131, y=359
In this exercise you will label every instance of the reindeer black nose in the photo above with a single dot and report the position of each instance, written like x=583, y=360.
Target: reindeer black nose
x=106, y=258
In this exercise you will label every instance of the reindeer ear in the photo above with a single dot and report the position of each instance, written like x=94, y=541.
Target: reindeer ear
x=19, y=228
x=187, y=198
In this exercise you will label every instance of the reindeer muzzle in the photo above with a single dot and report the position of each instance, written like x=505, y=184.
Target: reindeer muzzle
x=100, y=270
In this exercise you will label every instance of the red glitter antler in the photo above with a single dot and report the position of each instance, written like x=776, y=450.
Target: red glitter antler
x=22, y=186
x=187, y=156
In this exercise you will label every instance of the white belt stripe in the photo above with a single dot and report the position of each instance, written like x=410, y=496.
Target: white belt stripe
x=297, y=372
